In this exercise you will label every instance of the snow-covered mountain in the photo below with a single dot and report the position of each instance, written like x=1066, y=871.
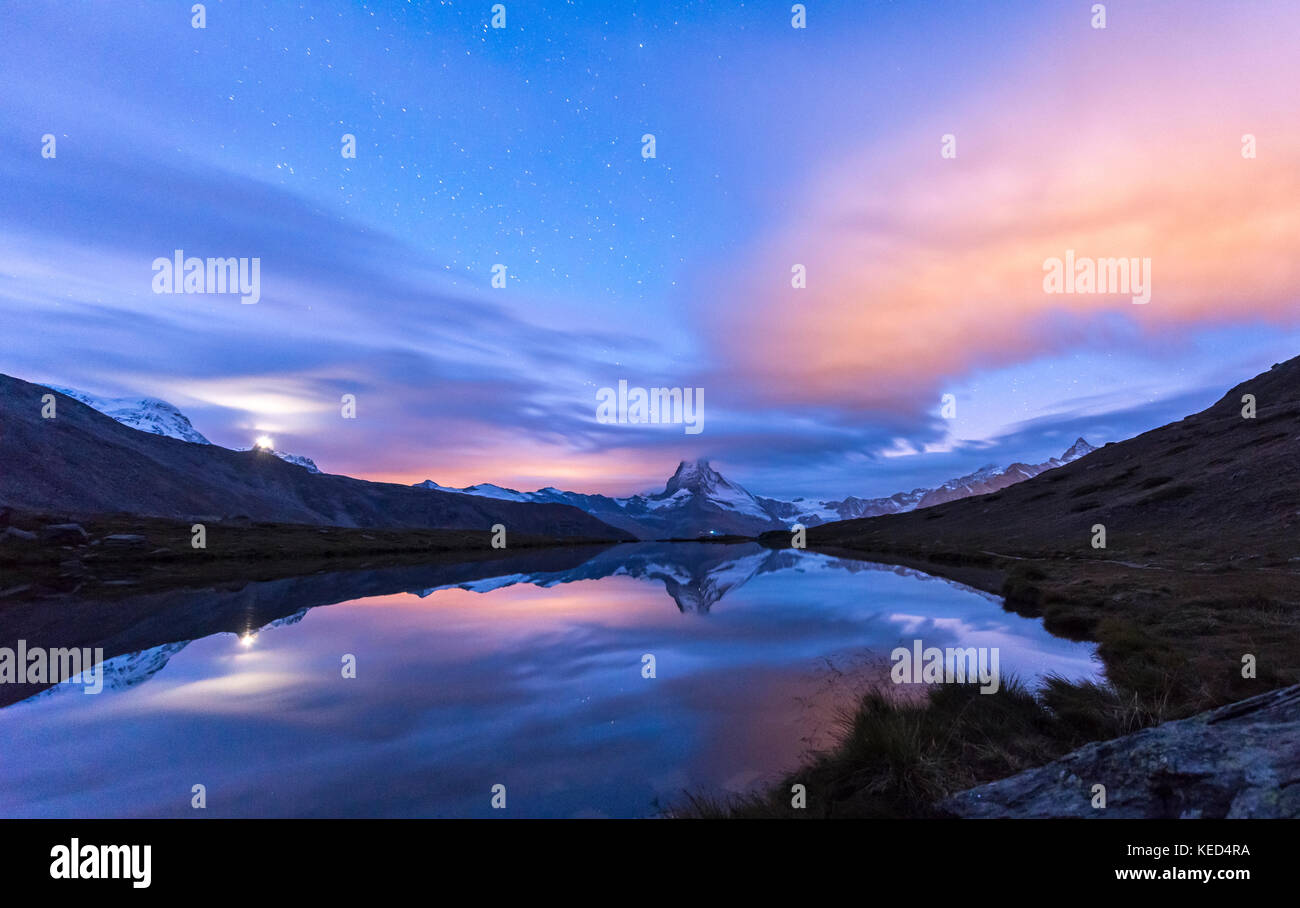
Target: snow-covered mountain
x=696, y=501
x=1075, y=451
x=696, y=575
x=811, y=513
x=301, y=460
x=120, y=672
x=148, y=414
x=297, y=459
x=983, y=481
x=699, y=501
x=991, y=478
x=158, y=417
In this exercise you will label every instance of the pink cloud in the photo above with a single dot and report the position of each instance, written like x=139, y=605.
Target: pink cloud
x=1120, y=143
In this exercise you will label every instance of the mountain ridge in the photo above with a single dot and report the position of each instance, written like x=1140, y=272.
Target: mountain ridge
x=48, y=462
x=160, y=417
x=1214, y=483
x=147, y=414
x=698, y=501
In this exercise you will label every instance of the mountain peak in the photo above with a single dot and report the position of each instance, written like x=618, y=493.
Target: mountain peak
x=700, y=464
x=296, y=459
x=146, y=414
x=695, y=476
x=1078, y=449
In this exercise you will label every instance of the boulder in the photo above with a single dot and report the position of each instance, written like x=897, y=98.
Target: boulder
x=64, y=534
x=124, y=541
x=1240, y=760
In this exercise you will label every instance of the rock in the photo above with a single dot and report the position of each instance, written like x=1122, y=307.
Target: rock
x=124, y=541
x=13, y=534
x=64, y=534
x=1237, y=761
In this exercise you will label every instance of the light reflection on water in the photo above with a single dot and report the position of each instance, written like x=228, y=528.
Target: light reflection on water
x=532, y=680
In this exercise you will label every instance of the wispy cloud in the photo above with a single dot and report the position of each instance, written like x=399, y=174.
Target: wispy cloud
x=924, y=274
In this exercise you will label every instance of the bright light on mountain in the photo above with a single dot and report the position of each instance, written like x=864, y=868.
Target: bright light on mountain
x=264, y=443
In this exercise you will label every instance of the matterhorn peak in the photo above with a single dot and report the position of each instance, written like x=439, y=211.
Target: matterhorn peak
x=693, y=475
x=700, y=464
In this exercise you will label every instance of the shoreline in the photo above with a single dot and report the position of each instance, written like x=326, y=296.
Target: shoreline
x=1169, y=633
x=1170, y=637
x=164, y=558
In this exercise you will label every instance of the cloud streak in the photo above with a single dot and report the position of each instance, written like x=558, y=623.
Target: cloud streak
x=925, y=274
x=921, y=269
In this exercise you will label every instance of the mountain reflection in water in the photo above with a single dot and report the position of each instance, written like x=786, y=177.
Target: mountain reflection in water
x=526, y=671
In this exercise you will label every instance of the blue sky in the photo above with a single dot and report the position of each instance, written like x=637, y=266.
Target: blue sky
x=774, y=145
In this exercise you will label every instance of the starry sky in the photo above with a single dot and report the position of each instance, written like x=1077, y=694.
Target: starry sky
x=774, y=146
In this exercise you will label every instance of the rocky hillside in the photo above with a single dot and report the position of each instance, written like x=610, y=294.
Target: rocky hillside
x=1212, y=487
x=84, y=462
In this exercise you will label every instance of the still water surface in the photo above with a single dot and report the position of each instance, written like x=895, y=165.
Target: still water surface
x=532, y=679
